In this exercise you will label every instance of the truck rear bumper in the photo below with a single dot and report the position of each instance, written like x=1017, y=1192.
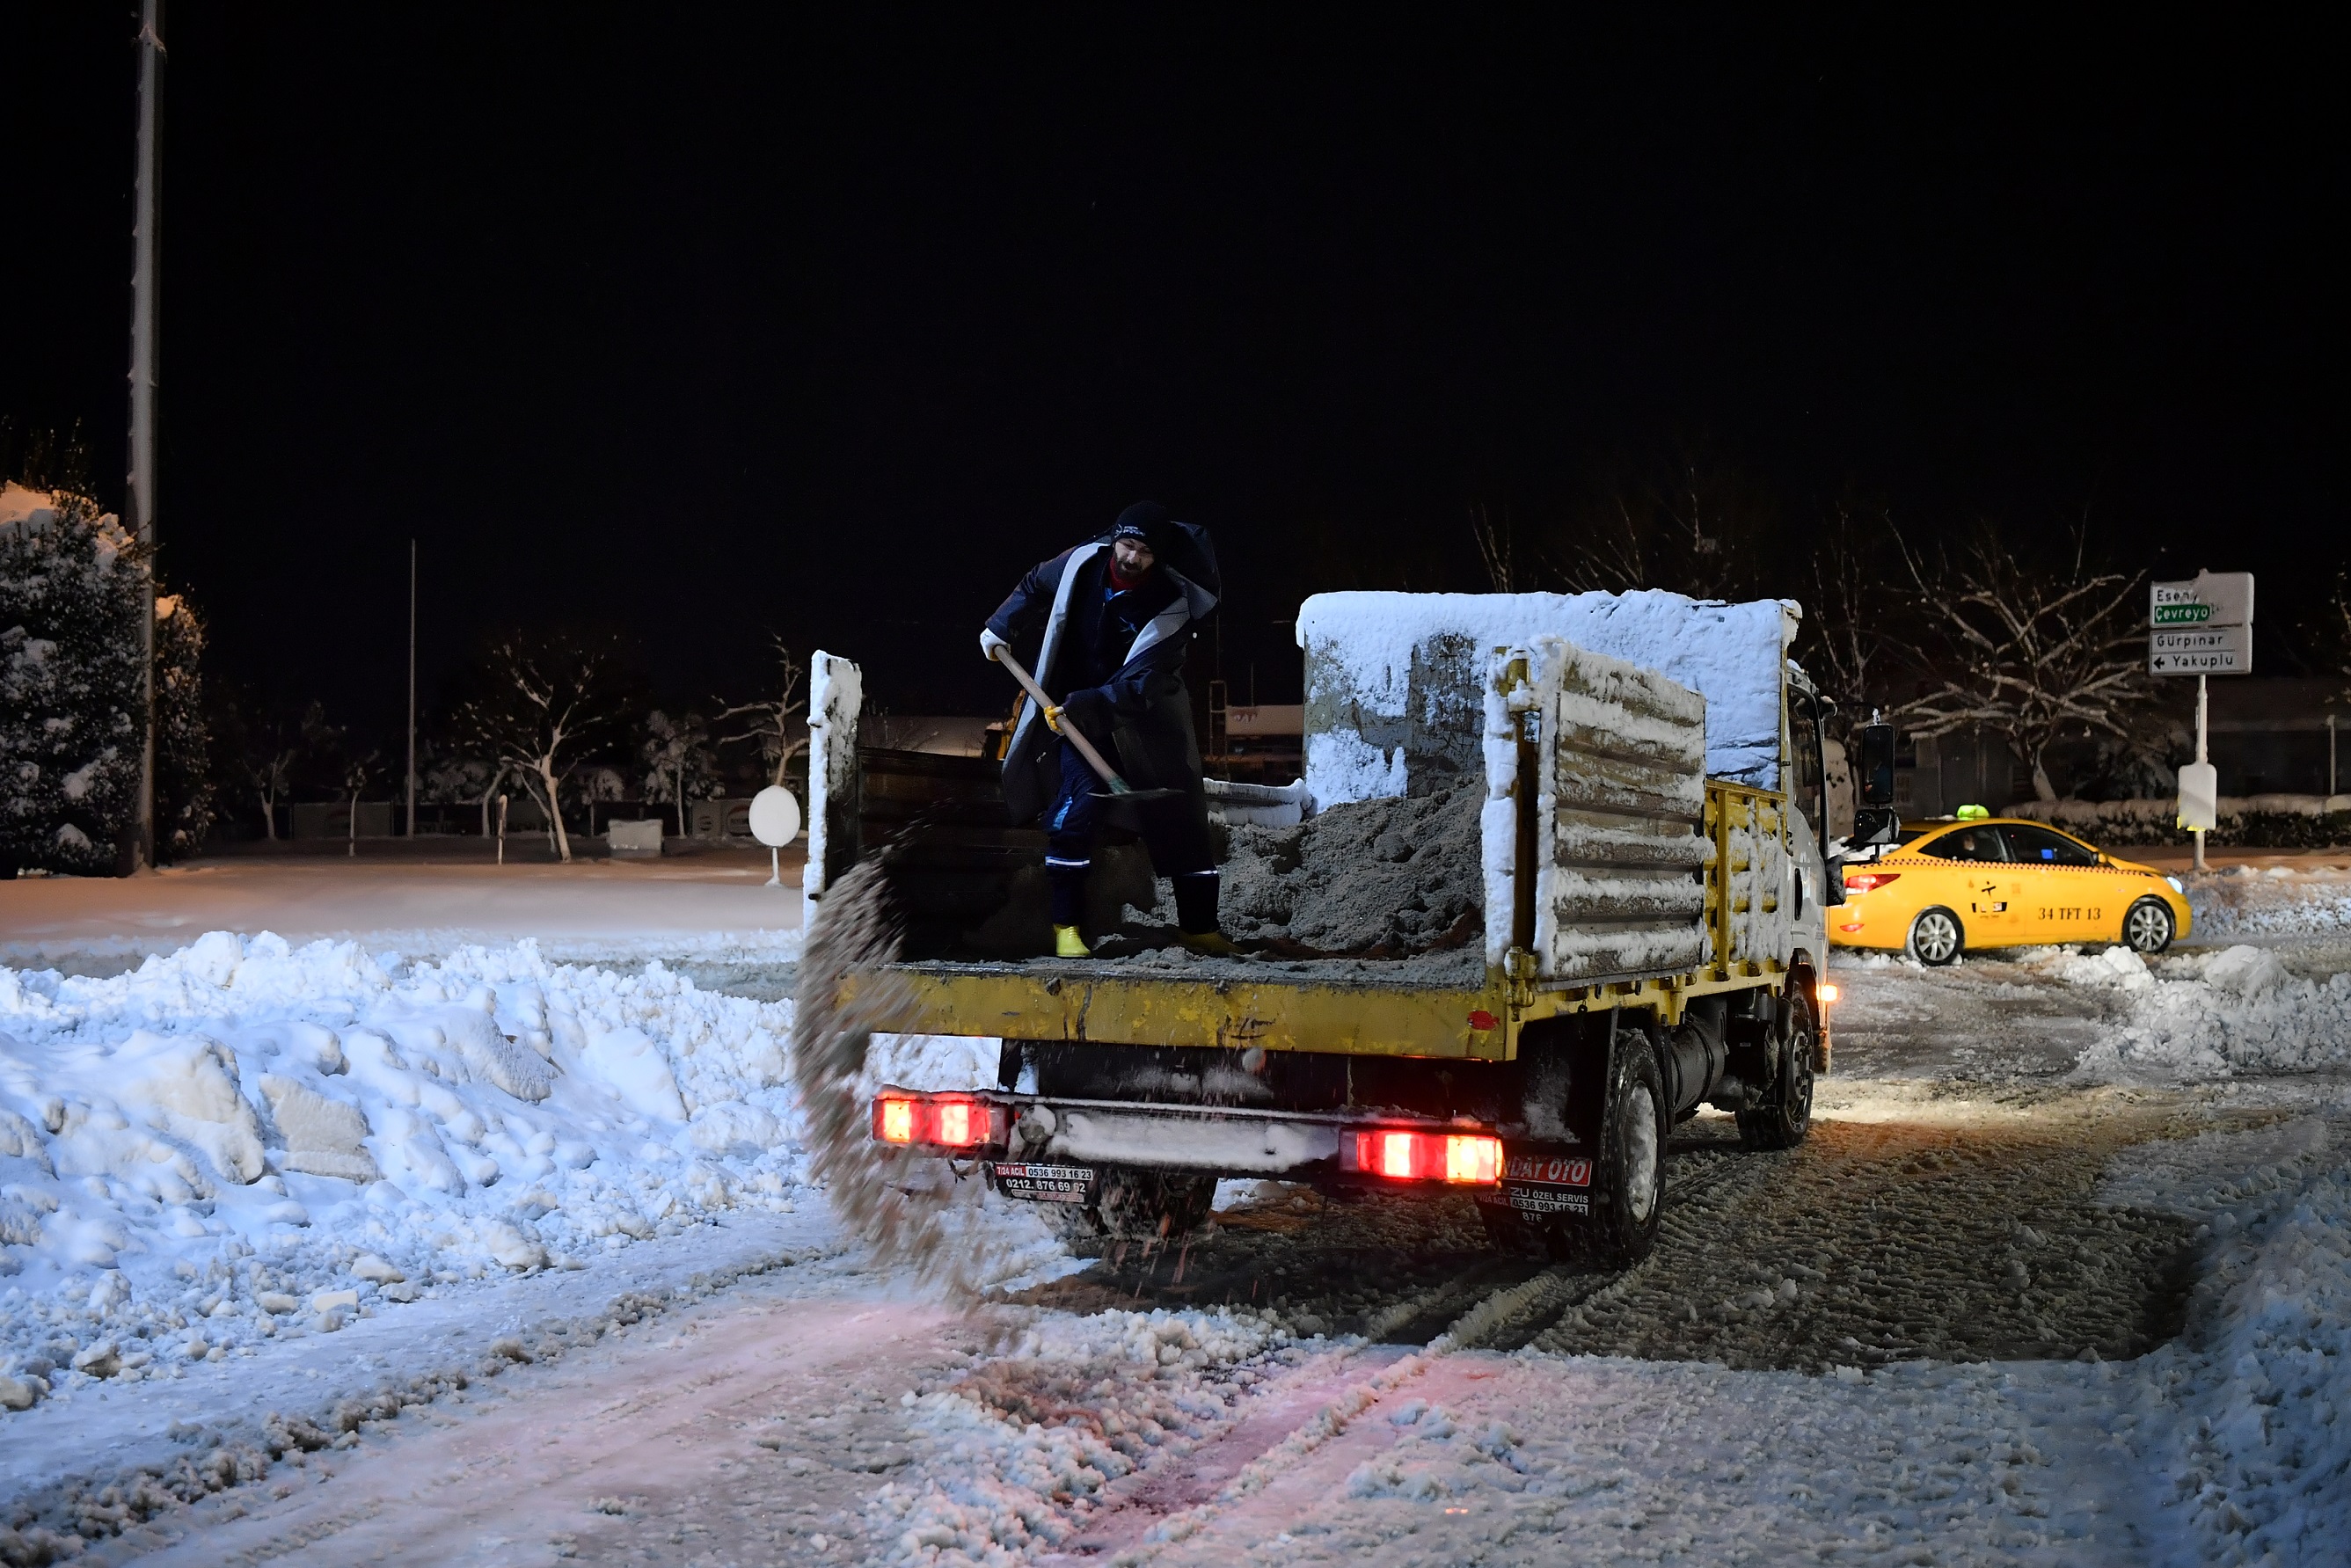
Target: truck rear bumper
x=1003, y=1127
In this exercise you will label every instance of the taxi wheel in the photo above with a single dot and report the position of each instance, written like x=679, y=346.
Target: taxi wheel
x=1935, y=937
x=2148, y=928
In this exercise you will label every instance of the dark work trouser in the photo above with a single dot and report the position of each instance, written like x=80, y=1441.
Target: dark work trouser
x=1171, y=830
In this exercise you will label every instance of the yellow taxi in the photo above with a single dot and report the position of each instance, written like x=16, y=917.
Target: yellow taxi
x=1997, y=882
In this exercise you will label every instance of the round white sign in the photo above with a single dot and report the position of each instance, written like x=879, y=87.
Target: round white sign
x=775, y=817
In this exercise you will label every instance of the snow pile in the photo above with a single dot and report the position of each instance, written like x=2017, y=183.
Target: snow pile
x=2272, y=901
x=1014, y=1455
x=2248, y=1422
x=2211, y=1015
x=1381, y=669
x=246, y=1139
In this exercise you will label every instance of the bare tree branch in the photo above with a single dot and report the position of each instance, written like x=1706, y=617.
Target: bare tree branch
x=2034, y=654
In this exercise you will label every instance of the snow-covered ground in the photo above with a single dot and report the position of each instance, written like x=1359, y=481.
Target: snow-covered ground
x=2298, y=898
x=288, y=1203
x=712, y=906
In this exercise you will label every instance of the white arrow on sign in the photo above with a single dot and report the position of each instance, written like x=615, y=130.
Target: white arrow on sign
x=2200, y=651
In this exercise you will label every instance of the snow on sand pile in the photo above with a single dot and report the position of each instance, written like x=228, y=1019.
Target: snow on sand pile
x=2211, y=1015
x=245, y=1140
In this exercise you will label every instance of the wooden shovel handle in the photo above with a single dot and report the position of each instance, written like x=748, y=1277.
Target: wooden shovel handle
x=1067, y=732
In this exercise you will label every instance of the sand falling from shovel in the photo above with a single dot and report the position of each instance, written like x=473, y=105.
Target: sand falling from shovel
x=914, y=1210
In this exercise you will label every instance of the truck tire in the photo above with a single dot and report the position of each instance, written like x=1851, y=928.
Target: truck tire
x=1786, y=1114
x=1145, y=1205
x=1628, y=1178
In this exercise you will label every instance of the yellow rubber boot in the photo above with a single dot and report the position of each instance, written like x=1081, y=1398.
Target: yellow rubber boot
x=1068, y=944
x=1211, y=945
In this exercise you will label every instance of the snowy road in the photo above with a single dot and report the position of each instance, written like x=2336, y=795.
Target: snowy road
x=2061, y=1276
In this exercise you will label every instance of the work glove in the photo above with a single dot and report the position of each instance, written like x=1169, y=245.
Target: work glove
x=988, y=644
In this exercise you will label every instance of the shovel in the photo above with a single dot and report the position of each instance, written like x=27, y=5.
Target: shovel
x=1118, y=788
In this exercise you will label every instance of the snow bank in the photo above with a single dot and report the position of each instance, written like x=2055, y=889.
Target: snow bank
x=2247, y=1423
x=2272, y=901
x=2203, y=1016
x=246, y=1139
x=1381, y=669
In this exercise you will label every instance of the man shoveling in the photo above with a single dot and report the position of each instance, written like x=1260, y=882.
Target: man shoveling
x=1114, y=616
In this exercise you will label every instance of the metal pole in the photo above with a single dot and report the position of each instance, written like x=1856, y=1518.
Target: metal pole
x=147, y=216
x=412, y=689
x=2200, y=757
x=2330, y=755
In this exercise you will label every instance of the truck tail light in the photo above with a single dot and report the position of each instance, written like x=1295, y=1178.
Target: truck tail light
x=1862, y=881
x=951, y=1122
x=1429, y=1156
x=955, y=1128
x=1828, y=992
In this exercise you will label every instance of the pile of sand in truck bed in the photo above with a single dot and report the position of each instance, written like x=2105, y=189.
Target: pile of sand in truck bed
x=1376, y=879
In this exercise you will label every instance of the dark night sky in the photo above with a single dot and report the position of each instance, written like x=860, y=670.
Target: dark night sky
x=696, y=329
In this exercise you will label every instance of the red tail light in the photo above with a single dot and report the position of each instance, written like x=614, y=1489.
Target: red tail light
x=943, y=1122
x=1862, y=881
x=1428, y=1156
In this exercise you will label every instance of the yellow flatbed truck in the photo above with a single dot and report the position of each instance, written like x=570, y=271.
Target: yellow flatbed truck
x=1653, y=936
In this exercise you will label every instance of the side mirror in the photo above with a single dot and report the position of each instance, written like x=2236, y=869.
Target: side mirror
x=1877, y=765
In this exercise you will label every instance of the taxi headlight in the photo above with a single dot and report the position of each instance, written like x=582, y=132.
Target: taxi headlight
x=2177, y=887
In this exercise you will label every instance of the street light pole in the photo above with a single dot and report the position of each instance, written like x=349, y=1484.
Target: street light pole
x=412, y=689
x=140, y=503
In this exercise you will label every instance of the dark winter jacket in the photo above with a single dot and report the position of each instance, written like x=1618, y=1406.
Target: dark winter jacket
x=1080, y=635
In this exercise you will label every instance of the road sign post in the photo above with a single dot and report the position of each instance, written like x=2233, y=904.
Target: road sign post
x=2201, y=628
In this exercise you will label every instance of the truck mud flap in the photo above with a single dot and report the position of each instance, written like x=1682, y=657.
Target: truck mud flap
x=1544, y=1184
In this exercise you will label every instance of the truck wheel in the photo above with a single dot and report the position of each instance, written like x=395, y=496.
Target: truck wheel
x=1781, y=1122
x=2148, y=926
x=1628, y=1178
x=1151, y=1206
x=1935, y=937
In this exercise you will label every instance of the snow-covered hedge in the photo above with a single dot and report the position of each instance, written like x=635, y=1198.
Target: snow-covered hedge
x=72, y=689
x=2250, y=822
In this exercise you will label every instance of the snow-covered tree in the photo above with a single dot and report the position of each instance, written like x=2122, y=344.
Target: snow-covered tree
x=679, y=763
x=183, y=783
x=540, y=700
x=73, y=589
x=2034, y=650
x=777, y=726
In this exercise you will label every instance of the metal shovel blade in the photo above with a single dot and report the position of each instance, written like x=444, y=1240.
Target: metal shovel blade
x=1120, y=790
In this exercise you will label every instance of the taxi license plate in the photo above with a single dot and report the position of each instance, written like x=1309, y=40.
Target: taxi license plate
x=1044, y=1183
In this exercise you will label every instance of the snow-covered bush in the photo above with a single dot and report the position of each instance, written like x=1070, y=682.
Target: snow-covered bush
x=2250, y=822
x=72, y=692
